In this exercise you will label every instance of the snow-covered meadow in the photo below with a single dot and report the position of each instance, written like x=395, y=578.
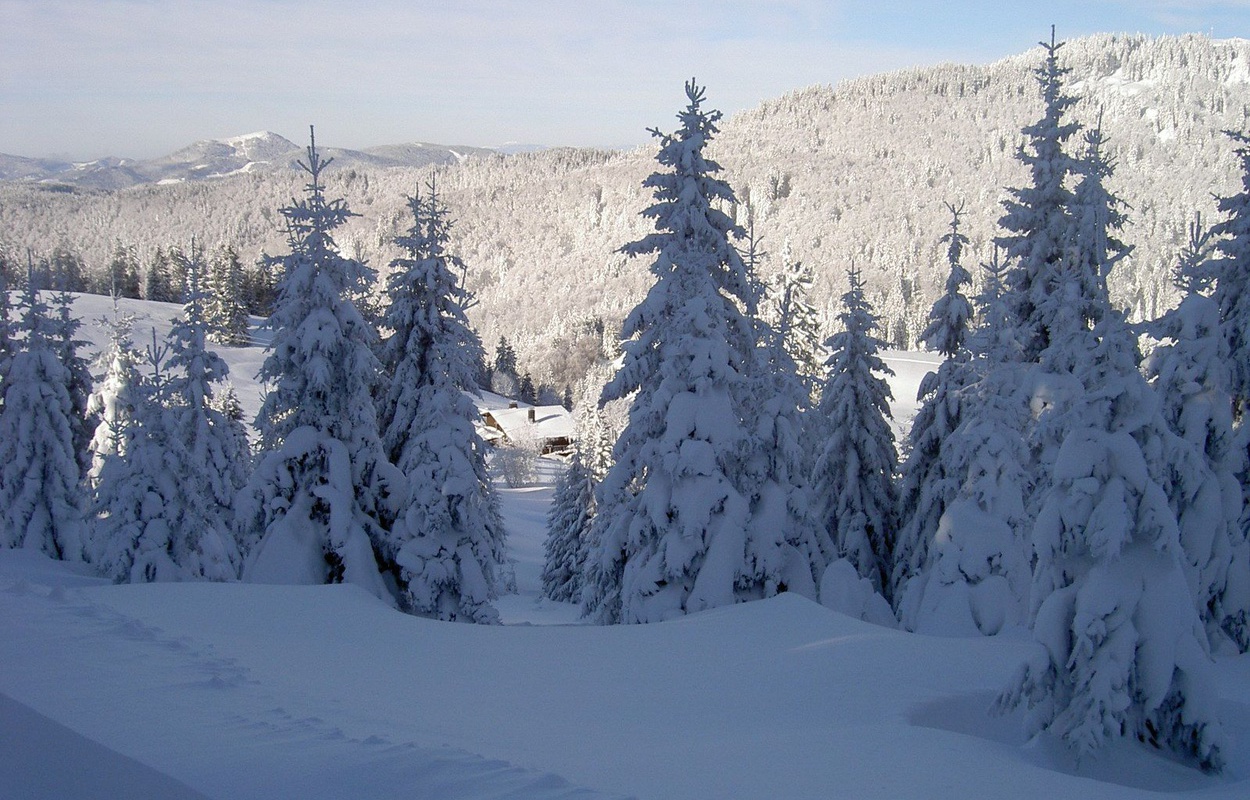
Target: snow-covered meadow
x=251, y=691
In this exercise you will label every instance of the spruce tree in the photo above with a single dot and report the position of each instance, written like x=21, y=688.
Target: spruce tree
x=207, y=450
x=784, y=548
x=1189, y=371
x=113, y=401
x=975, y=575
x=82, y=423
x=158, y=283
x=927, y=488
x=1036, y=219
x=1122, y=651
x=670, y=534
x=41, y=502
x=7, y=343
x=525, y=390
x=568, y=524
x=448, y=535
x=164, y=497
x=853, y=489
x=122, y=277
x=1232, y=271
x=225, y=306
x=797, y=323
x=318, y=504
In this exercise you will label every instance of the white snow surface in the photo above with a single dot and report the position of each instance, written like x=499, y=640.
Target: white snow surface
x=190, y=690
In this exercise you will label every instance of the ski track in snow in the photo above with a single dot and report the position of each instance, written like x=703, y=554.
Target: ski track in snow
x=275, y=751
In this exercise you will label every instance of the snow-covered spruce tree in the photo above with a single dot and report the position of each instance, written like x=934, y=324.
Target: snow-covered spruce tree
x=572, y=511
x=122, y=277
x=975, y=579
x=782, y=541
x=163, y=509
x=1232, y=271
x=114, y=398
x=317, y=507
x=158, y=283
x=1232, y=294
x=853, y=490
x=926, y=488
x=1097, y=218
x=41, y=502
x=225, y=307
x=207, y=449
x=670, y=534
x=797, y=323
x=1122, y=650
x=82, y=424
x=448, y=535
x=7, y=344
x=1036, y=216
x=568, y=524
x=1190, y=375
x=135, y=537
x=504, y=379
x=1076, y=302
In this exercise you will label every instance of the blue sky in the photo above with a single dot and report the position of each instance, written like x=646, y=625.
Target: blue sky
x=139, y=78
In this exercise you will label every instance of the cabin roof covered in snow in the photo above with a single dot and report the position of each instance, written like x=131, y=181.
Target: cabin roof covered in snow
x=550, y=422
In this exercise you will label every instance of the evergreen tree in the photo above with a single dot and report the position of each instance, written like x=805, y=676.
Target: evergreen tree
x=449, y=535
x=225, y=306
x=164, y=497
x=122, y=276
x=505, y=357
x=7, y=344
x=82, y=423
x=975, y=574
x=114, y=399
x=1232, y=271
x=853, y=481
x=158, y=283
x=207, y=449
x=568, y=524
x=784, y=547
x=504, y=379
x=1190, y=375
x=41, y=503
x=525, y=391
x=179, y=264
x=797, y=323
x=1036, y=218
x=670, y=535
x=927, y=488
x=66, y=271
x=260, y=287
x=317, y=506
x=1123, y=652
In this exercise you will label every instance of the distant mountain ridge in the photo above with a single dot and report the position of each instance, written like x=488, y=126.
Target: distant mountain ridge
x=263, y=151
x=856, y=174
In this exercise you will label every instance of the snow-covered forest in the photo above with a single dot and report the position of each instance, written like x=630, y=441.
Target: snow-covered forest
x=1041, y=563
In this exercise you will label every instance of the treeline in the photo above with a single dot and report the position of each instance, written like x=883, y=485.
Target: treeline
x=233, y=288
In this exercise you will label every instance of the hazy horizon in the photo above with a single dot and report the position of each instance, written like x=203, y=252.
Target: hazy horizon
x=81, y=79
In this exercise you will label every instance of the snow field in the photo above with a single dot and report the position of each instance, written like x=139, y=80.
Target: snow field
x=250, y=691
x=242, y=691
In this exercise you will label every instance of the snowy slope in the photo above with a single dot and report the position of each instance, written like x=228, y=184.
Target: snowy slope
x=244, y=691
x=322, y=692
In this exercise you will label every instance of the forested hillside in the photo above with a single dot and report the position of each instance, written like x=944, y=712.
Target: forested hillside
x=856, y=174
